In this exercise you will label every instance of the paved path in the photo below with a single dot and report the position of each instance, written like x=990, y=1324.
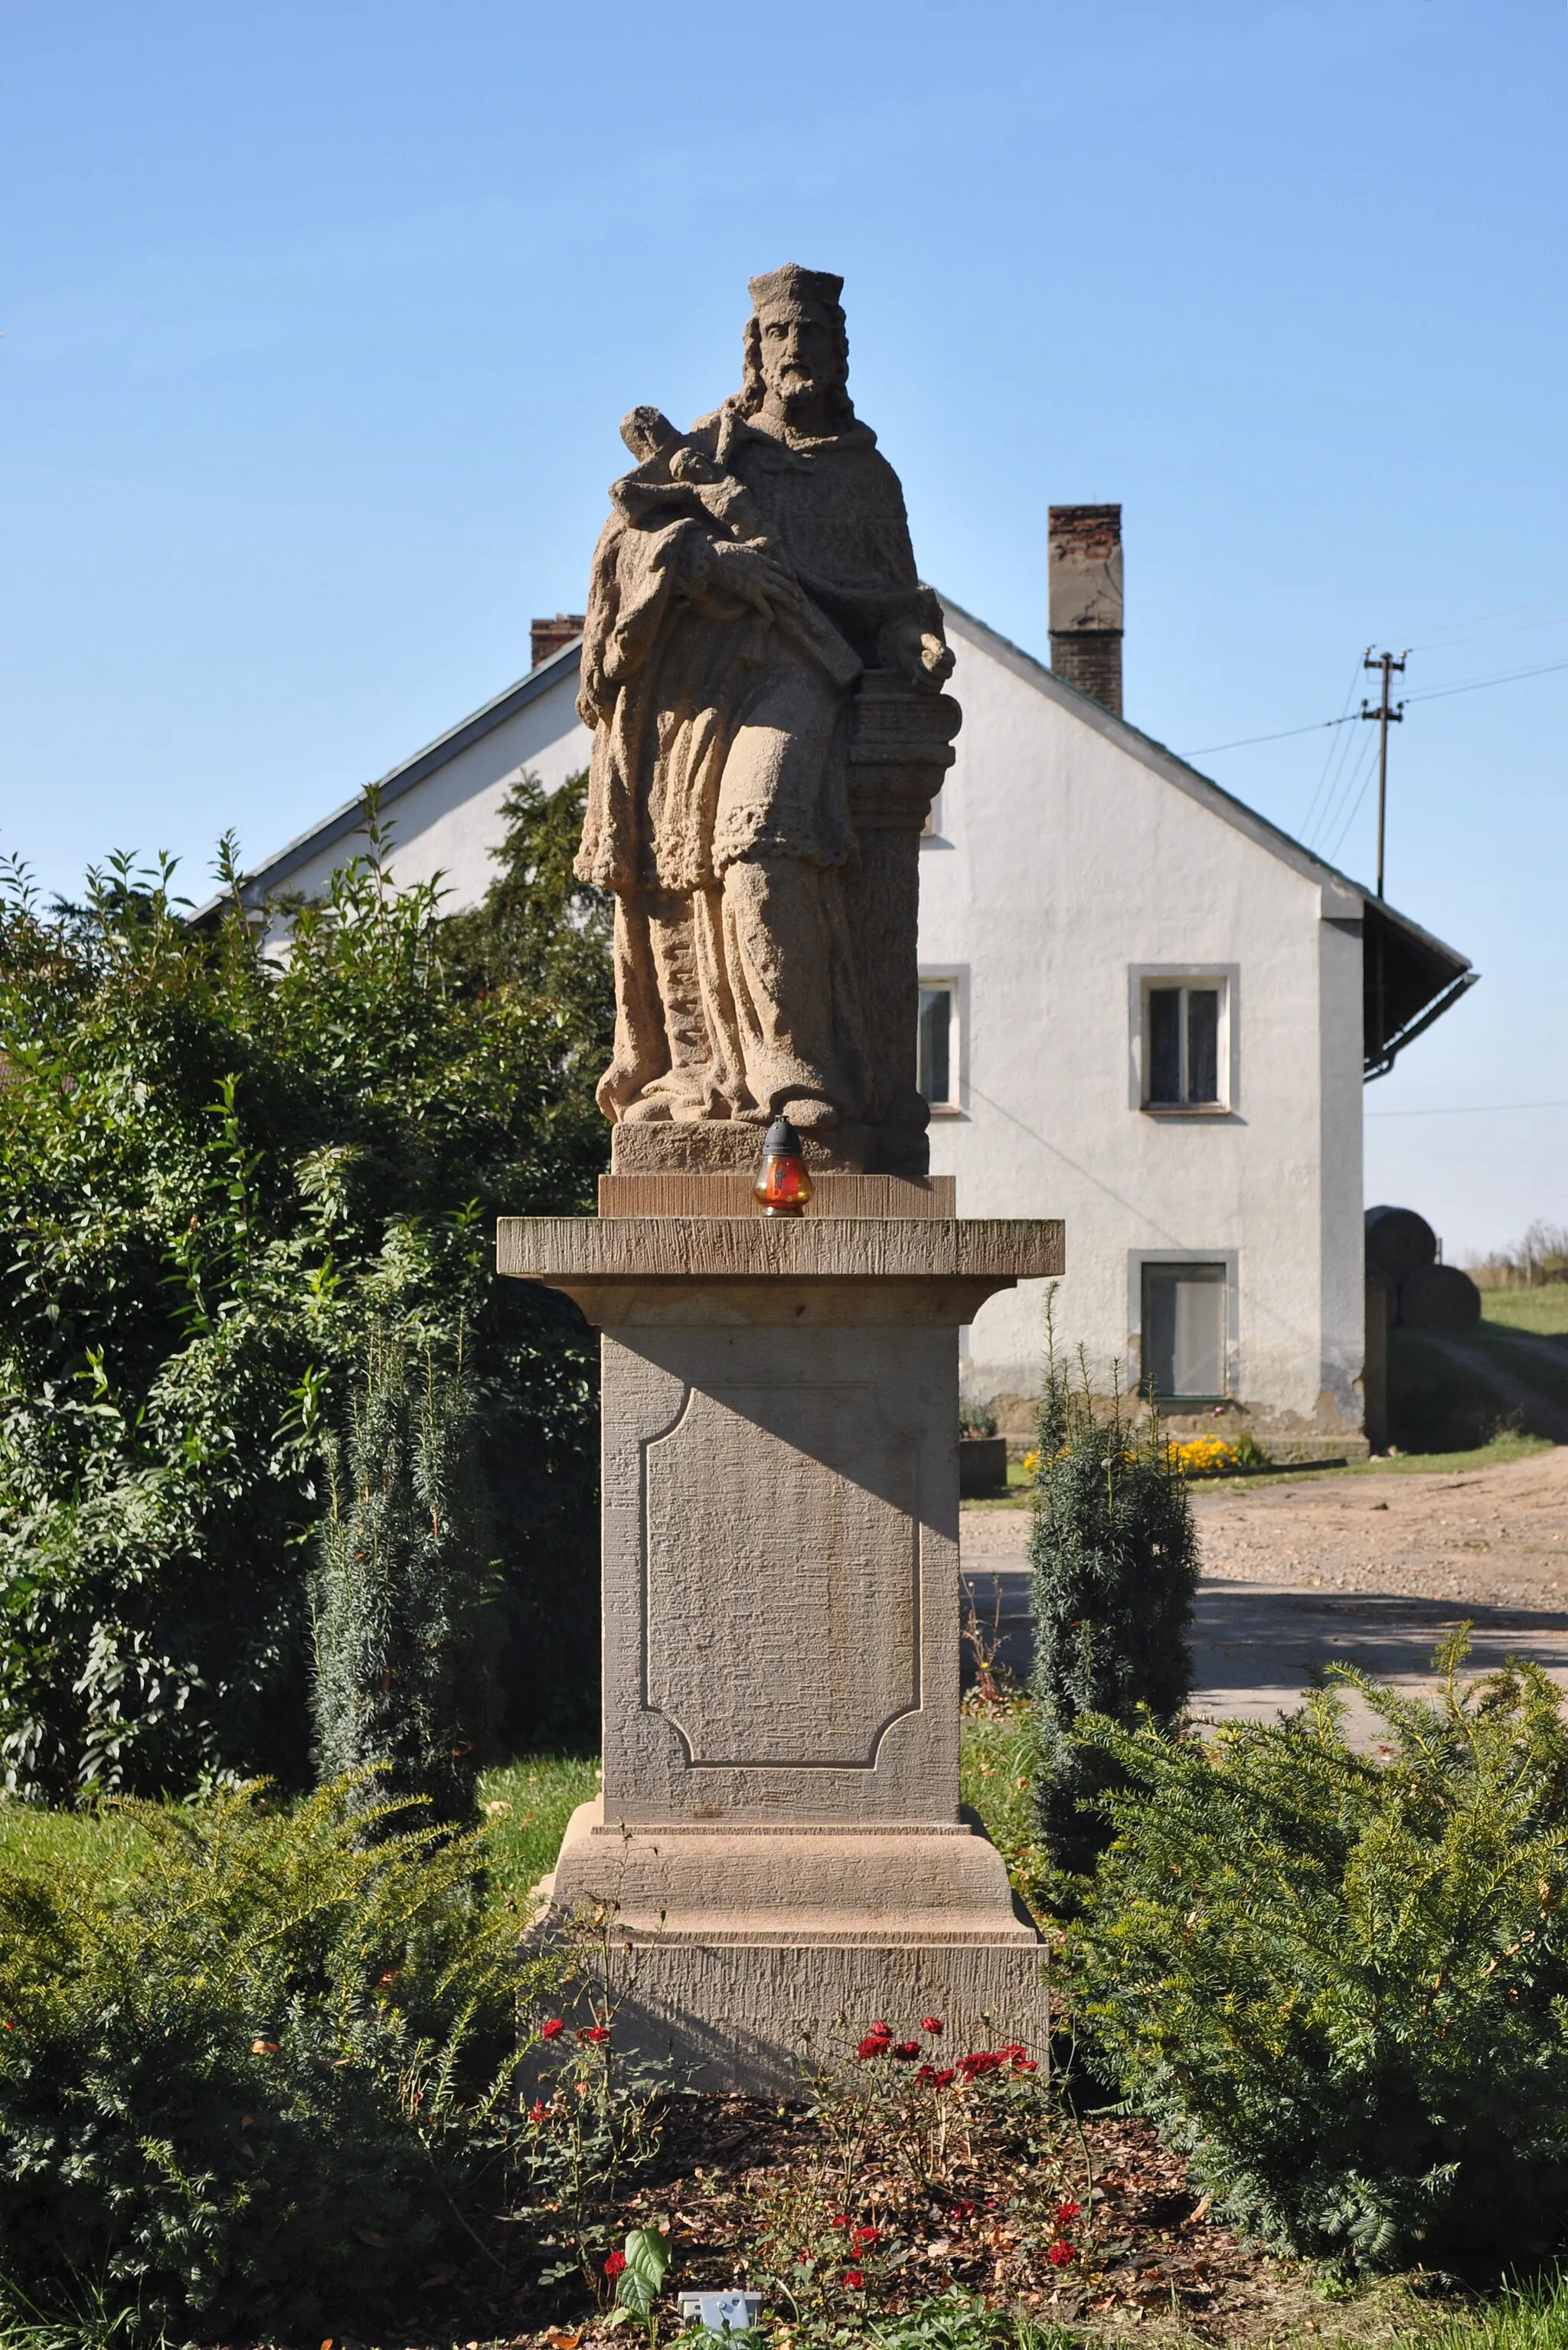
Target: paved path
x=1372, y=1570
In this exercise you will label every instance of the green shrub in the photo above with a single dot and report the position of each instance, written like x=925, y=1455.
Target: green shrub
x=1341, y=1983
x=398, y=1599
x=243, y=2076
x=1115, y=1559
x=218, y=1171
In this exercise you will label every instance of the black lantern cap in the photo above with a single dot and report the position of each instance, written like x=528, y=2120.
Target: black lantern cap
x=781, y=1137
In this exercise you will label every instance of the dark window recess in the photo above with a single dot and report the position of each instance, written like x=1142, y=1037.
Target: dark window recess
x=936, y=1044
x=1183, y=1045
x=1203, y=1043
x=1165, y=1044
x=1184, y=1332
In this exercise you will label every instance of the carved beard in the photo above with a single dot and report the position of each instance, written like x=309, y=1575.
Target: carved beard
x=794, y=392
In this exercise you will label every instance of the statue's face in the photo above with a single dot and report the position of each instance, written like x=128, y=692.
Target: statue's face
x=802, y=362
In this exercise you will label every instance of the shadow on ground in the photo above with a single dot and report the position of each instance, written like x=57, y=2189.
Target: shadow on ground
x=1256, y=1646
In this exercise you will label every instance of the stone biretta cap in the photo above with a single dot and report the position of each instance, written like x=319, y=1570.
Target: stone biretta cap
x=793, y=283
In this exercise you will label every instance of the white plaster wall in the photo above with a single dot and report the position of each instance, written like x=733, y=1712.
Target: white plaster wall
x=449, y=822
x=1062, y=860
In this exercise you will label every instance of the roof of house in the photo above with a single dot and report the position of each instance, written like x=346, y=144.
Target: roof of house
x=264, y=881
x=1411, y=977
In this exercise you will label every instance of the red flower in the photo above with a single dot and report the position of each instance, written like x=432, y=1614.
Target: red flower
x=1024, y=2065
x=1065, y=2211
x=538, y=2112
x=839, y=2220
x=1059, y=2254
x=617, y=2261
x=930, y=2023
x=981, y=2061
x=873, y=2045
x=947, y=2076
x=928, y=2072
x=854, y=2278
x=864, y=2235
x=907, y=2050
x=596, y=2032
x=553, y=2029
x=883, y=2031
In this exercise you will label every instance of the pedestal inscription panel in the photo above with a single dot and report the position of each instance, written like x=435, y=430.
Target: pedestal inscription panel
x=796, y=1510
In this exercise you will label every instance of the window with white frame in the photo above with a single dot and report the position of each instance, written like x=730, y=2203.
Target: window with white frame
x=938, y=1077
x=1186, y=1043
x=1185, y=1314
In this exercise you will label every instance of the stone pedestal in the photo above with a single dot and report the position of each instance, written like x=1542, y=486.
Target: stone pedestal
x=779, y=1837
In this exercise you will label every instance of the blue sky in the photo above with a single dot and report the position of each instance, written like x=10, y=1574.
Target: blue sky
x=319, y=320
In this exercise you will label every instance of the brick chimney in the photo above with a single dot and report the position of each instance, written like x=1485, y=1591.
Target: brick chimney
x=1085, y=564
x=553, y=636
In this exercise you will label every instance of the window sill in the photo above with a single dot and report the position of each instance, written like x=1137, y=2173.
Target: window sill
x=1186, y=1110
x=945, y=1110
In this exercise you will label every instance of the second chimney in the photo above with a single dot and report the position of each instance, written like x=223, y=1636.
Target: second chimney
x=551, y=636
x=1085, y=562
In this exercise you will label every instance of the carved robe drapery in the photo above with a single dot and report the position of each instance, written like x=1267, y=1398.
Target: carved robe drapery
x=719, y=809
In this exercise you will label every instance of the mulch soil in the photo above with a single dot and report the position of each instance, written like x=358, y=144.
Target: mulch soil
x=1153, y=2260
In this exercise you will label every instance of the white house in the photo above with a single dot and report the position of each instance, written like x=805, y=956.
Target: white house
x=1143, y=1008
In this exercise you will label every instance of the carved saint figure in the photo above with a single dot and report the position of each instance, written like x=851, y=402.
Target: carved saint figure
x=751, y=570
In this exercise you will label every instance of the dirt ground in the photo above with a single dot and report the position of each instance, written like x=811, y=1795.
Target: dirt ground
x=1373, y=1569
x=1496, y=1536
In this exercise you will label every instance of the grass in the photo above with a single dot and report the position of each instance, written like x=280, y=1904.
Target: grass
x=1529, y=2317
x=526, y=1806
x=998, y=1759
x=1543, y=1312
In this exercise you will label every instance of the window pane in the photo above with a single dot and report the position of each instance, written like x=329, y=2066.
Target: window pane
x=936, y=1042
x=1203, y=1044
x=1165, y=1044
x=1184, y=1329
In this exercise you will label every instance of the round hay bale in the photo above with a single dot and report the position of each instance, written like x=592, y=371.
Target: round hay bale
x=1441, y=1298
x=1400, y=1242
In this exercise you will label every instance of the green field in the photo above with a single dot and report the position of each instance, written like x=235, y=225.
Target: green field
x=1544, y=1311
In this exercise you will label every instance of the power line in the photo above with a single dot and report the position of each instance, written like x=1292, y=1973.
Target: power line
x=1504, y=612
x=1338, y=744
x=1441, y=692
x=1468, y=1109
x=1433, y=693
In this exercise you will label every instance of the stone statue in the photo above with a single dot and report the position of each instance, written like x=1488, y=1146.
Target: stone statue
x=763, y=671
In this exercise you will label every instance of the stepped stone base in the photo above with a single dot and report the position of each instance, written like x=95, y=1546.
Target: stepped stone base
x=745, y=1949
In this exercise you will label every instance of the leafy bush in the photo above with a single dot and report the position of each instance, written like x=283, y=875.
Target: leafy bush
x=246, y=2076
x=1341, y=1983
x=218, y=1171
x=1115, y=1559
x=398, y=1599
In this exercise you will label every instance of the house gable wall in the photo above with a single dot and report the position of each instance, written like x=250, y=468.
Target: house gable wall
x=1063, y=862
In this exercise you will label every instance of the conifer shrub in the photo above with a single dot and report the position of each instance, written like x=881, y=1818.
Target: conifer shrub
x=1339, y=1981
x=249, y=2074
x=402, y=1647
x=1115, y=1560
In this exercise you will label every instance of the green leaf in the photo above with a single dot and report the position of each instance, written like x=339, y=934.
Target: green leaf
x=646, y=2259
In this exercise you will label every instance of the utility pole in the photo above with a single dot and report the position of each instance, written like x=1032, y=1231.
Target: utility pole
x=1386, y=718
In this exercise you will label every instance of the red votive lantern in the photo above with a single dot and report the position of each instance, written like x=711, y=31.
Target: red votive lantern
x=783, y=1186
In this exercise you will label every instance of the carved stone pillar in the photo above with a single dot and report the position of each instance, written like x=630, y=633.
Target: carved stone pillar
x=901, y=749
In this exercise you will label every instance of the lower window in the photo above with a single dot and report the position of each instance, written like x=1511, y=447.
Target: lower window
x=937, y=1058
x=1184, y=1332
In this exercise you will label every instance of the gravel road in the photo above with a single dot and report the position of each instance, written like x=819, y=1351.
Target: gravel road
x=1371, y=1569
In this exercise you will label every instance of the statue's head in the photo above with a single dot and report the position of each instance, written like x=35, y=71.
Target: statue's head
x=797, y=347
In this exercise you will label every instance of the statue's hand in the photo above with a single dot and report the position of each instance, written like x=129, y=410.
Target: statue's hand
x=745, y=573
x=908, y=645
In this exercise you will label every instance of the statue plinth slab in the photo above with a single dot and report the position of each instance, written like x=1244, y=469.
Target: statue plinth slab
x=780, y=1839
